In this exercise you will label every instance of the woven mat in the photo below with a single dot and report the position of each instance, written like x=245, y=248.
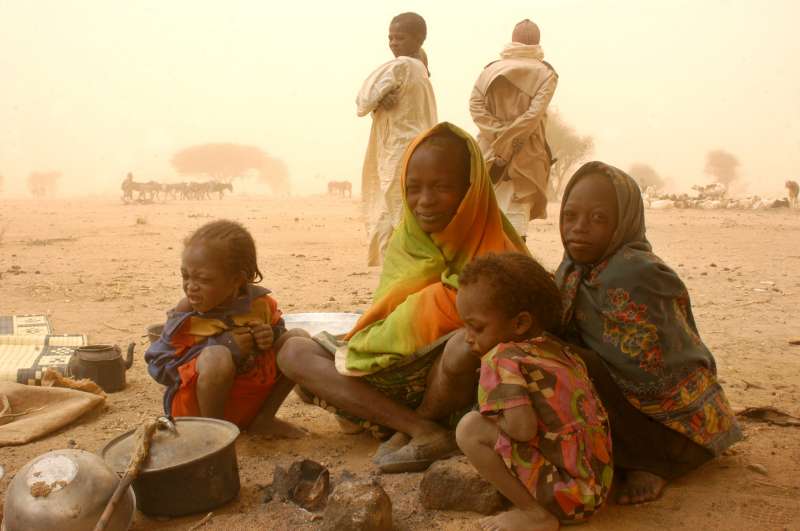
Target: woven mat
x=25, y=325
x=28, y=347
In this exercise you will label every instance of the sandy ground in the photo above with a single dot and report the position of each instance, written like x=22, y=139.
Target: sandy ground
x=105, y=269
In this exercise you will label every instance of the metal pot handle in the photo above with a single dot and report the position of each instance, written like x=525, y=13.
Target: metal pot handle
x=129, y=356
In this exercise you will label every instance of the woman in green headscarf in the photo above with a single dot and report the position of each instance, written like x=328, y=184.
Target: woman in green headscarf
x=405, y=365
x=657, y=379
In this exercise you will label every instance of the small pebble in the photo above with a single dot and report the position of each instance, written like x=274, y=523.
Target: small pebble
x=755, y=467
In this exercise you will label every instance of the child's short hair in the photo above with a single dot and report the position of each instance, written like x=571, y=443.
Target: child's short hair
x=236, y=243
x=518, y=284
x=412, y=23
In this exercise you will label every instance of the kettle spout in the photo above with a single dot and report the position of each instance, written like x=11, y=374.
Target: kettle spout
x=129, y=356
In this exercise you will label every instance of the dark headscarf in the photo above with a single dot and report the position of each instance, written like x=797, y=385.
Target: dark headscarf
x=634, y=311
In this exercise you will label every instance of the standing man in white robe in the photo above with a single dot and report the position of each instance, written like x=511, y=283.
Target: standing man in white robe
x=509, y=106
x=399, y=96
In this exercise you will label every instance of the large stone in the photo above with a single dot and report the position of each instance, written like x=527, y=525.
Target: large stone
x=454, y=485
x=358, y=506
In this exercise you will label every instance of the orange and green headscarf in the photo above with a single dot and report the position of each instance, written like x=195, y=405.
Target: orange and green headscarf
x=414, y=304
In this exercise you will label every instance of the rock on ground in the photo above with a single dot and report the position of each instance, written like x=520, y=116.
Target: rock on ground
x=306, y=483
x=358, y=506
x=454, y=485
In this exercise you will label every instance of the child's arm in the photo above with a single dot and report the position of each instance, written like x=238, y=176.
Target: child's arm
x=503, y=393
x=393, y=75
x=519, y=423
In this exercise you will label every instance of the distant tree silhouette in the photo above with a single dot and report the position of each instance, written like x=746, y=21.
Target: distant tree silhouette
x=645, y=176
x=43, y=183
x=722, y=166
x=225, y=161
x=569, y=148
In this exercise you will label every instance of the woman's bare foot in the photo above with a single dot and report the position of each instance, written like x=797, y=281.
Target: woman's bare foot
x=277, y=429
x=640, y=487
x=519, y=520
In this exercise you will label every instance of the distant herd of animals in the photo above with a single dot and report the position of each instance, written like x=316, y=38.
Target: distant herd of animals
x=152, y=190
x=340, y=188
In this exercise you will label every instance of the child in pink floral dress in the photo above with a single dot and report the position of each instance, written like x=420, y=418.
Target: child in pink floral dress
x=541, y=434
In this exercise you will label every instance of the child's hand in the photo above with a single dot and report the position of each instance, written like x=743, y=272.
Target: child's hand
x=263, y=336
x=244, y=340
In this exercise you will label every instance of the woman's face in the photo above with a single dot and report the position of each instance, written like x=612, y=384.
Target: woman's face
x=436, y=182
x=589, y=218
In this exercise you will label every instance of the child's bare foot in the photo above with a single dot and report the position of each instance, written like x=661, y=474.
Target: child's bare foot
x=519, y=520
x=277, y=428
x=640, y=487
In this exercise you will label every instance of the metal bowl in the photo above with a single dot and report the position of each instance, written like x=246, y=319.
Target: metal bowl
x=316, y=322
x=65, y=490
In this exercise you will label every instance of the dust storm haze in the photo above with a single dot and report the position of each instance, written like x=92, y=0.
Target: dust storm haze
x=95, y=89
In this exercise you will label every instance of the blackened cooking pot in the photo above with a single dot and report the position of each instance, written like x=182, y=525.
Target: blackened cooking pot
x=191, y=471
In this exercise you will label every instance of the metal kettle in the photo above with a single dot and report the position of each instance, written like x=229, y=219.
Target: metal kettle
x=103, y=364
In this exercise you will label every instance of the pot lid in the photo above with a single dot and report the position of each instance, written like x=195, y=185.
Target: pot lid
x=196, y=438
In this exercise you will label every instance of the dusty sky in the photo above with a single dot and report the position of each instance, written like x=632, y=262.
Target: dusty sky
x=96, y=88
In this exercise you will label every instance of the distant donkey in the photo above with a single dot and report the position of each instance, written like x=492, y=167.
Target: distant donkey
x=218, y=187
x=340, y=188
x=148, y=191
x=794, y=189
x=127, y=187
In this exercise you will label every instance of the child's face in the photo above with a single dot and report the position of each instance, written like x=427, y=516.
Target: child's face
x=401, y=42
x=206, y=282
x=589, y=219
x=435, y=186
x=486, y=326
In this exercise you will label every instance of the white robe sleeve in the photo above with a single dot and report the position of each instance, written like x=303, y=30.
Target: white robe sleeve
x=527, y=121
x=388, y=77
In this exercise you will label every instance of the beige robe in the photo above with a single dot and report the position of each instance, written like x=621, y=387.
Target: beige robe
x=392, y=130
x=509, y=106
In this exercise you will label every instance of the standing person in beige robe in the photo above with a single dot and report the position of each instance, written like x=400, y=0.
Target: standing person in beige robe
x=509, y=106
x=399, y=96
